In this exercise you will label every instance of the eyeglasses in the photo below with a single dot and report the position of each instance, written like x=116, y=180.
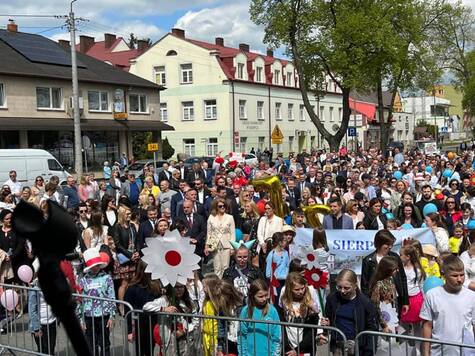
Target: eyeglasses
x=450, y=202
x=83, y=211
x=221, y=206
x=39, y=180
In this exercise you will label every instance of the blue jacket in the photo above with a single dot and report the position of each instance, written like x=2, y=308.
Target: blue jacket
x=259, y=338
x=346, y=224
x=73, y=197
x=283, y=262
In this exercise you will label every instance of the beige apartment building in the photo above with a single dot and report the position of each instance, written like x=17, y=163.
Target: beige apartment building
x=36, y=105
x=222, y=99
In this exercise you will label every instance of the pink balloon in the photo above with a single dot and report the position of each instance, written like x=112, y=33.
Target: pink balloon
x=9, y=299
x=25, y=273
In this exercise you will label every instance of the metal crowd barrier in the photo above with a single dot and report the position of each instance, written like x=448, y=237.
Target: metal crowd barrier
x=15, y=334
x=407, y=345
x=203, y=340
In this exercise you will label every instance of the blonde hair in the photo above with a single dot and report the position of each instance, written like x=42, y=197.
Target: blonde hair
x=121, y=214
x=255, y=212
x=306, y=305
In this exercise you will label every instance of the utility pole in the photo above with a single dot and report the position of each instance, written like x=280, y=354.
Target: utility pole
x=76, y=115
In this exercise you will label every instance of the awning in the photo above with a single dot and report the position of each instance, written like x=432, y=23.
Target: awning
x=365, y=109
x=42, y=124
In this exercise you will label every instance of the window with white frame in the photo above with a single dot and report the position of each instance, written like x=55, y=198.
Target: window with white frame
x=302, y=112
x=163, y=112
x=3, y=102
x=276, y=77
x=212, y=146
x=160, y=76
x=259, y=76
x=188, y=111
x=242, y=109
x=189, y=146
x=291, y=143
x=261, y=142
x=211, y=110
x=138, y=103
x=322, y=113
x=260, y=110
x=49, y=98
x=289, y=79
x=278, y=114
x=242, y=144
x=98, y=100
x=312, y=107
x=331, y=114
x=186, y=73
x=290, y=112
x=240, y=70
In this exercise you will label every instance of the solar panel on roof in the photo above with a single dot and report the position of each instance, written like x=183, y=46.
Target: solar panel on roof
x=37, y=48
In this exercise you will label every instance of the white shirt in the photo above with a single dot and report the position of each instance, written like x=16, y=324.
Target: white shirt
x=450, y=314
x=15, y=187
x=413, y=283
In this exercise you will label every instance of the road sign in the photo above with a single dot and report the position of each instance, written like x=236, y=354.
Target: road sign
x=152, y=147
x=277, y=135
x=352, y=131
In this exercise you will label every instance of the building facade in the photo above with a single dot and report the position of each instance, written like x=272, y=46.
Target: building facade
x=36, y=102
x=222, y=99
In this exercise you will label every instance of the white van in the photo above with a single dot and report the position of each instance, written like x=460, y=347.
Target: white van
x=29, y=164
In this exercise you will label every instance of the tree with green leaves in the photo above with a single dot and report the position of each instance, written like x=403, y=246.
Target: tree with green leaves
x=360, y=45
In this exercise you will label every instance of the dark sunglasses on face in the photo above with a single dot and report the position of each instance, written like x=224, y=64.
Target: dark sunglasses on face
x=220, y=206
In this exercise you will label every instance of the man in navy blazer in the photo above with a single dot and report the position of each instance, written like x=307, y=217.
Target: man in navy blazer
x=178, y=197
x=196, y=226
x=337, y=220
x=147, y=227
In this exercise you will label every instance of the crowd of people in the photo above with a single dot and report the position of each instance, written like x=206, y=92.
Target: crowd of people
x=250, y=267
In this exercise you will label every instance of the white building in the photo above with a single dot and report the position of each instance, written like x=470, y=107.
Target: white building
x=222, y=99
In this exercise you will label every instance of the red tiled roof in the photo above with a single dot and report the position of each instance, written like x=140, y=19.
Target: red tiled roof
x=226, y=54
x=118, y=59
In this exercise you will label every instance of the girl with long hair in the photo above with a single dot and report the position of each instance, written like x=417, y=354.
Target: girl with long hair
x=175, y=330
x=277, y=265
x=259, y=336
x=352, y=312
x=383, y=290
x=96, y=234
x=415, y=279
x=298, y=307
x=435, y=223
x=140, y=291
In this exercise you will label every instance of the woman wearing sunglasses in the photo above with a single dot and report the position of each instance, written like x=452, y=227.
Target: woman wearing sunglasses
x=220, y=232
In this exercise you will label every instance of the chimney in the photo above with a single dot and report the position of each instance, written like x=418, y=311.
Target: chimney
x=142, y=45
x=12, y=26
x=244, y=47
x=270, y=53
x=109, y=40
x=65, y=44
x=219, y=41
x=85, y=43
x=178, y=32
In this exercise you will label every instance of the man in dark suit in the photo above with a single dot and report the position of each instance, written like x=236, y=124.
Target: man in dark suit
x=196, y=226
x=192, y=195
x=208, y=174
x=183, y=186
x=195, y=173
x=292, y=191
x=182, y=169
x=147, y=227
x=202, y=190
x=165, y=174
x=301, y=184
x=312, y=176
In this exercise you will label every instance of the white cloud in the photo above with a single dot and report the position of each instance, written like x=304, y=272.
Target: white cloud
x=230, y=21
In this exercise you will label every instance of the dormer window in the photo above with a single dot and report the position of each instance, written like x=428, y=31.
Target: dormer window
x=276, y=77
x=259, y=72
x=288, y=79
x=240, y=70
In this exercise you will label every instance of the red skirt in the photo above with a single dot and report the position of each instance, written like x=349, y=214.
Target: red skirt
x=415, y=305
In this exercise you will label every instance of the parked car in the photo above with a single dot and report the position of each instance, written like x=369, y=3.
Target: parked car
x=249, y=158
x=137, y=167
x=195, y=159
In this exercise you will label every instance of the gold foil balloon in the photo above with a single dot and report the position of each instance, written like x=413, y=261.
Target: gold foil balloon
x=273, y=186
x=311, y=213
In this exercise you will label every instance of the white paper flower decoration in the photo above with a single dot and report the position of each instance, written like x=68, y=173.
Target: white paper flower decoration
x=311, y=258
x=170, y=259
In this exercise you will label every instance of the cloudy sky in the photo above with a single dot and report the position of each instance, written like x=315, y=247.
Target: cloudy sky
x=202, y=19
